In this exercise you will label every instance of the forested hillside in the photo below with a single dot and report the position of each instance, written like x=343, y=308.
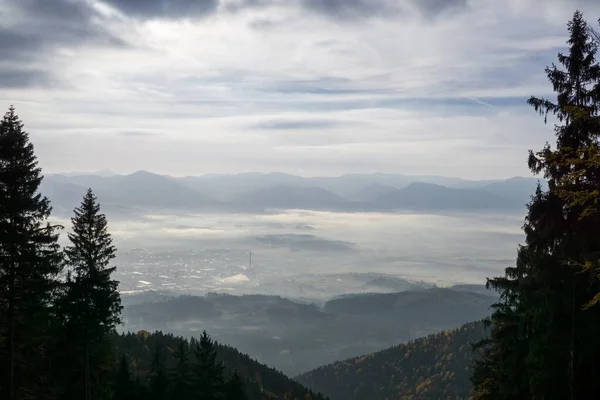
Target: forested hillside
x=430, y=368
x=148, y=353
x=295, y=337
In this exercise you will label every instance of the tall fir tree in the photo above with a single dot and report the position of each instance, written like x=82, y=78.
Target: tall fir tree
x=208, y=382
x=180, y=382
x=235, y=389
x=158, y=380
x=30, y=262
x=544, y=331
x=124, y=386
x=91, y=305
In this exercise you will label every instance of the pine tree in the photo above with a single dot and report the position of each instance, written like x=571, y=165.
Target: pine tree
x=91, y=304
x=158, y=380
x=180, y=375
x=235, y=389
x=30, y=261
x=124, y=387
x=208, y=382
x=544, y=334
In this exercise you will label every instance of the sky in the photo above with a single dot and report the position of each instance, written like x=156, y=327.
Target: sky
x=308, y=87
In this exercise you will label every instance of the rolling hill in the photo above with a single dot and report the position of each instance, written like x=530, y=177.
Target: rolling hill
x=429, y=368
x=295, y=337
x=427, y=196
x=138, y=190
x=261, y=382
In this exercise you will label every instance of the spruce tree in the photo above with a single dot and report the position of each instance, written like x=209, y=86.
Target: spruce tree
x=180, y=382
x=235, y=389
x=124, y=386
x=544, y=333
x=158, y=381
x=91, y=304
x=30, y=262
x=208, y=382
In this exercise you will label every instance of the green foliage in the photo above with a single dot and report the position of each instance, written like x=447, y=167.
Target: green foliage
x=430, y=368
x=543, y=344
x=29, y=265
x=158, y=380
x=89, y=306
x=124, y=387
x=235, y=389
x=190, y=364
x=208, y=382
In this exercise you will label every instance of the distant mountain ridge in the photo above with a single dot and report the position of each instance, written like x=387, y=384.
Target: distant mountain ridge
x=257, y=192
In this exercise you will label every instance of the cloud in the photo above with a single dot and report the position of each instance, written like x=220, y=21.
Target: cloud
x=421, y=87
x=11, y=77
x=32, y=31
x=165, y=8
x=350, y=9
x=137, y=133
x=296, y=125
x=435, y=7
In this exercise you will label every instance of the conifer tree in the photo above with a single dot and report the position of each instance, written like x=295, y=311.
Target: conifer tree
x=91, y=305
x=544, y=334
x=158, y=380
x=180, y=375
x=208, y=382
x=124, y=387
x=30, y=261
x=235, y=389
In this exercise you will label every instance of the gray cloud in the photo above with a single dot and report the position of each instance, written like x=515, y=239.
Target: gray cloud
x=36, y=28
x=436, y=7
x=353, y=9
x=296, y=125
x=137, y=133
x=17, y=77
x=165, y=8
x=338, y=9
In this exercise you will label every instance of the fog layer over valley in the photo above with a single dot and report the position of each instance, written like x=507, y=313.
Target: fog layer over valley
x=309, y=255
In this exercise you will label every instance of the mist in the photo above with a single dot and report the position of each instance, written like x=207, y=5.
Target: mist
x=310, y=255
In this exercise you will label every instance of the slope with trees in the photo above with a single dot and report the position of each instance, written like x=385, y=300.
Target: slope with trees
x=430, y=368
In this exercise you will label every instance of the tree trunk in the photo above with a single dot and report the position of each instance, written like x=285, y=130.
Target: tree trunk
x=87, y=364
x=572, y=352
x=11, y=338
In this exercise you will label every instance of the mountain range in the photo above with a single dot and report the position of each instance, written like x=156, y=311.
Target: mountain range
x=258, y=192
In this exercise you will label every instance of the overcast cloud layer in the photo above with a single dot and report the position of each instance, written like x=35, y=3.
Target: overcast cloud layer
x=311, y=87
